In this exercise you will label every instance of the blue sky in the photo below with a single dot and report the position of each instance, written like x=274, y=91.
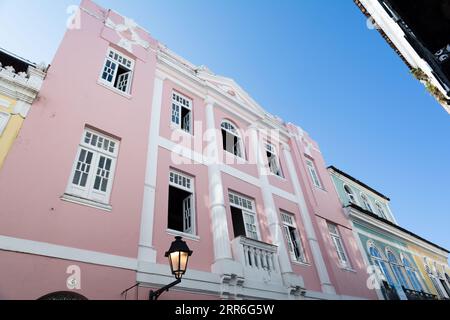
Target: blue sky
x=314, y=63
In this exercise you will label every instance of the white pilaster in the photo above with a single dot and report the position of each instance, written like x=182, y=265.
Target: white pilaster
x=269, y=204
x=223, y=259
x=146, y=251
x=325, y=282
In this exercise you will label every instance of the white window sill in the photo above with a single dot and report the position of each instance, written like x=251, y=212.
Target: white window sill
x=174, y=127
x=278, y=177
x=348, y=269
x=116, y=91
x=237, y=160
x=320, y=189
x=182, y=234
x=86, y=202
x=299, y=263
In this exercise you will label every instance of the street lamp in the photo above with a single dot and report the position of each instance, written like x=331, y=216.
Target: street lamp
x=178, y=255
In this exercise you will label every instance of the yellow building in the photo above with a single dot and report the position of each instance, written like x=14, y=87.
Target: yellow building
x=434, y=269
x=20, y=82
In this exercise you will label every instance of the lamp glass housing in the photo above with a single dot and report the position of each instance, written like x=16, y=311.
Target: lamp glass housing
x=178, y=255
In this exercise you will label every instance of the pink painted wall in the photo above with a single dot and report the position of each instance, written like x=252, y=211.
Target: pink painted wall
x=29, y=277
x=203, y=251
x=324, y=205
x=36, y=173
x=309, y=271
x=37, y=170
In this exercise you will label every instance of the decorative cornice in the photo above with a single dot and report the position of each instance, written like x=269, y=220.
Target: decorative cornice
x=358, y=213
x=21, y=86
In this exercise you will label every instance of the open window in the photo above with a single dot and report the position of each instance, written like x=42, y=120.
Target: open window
x=118, y=71
x=182, y=112
x=412, y=274
x=273, y=160
x=397, y=269
x=380, y=262
x=293, y=239
x=313, y=173
x=181, y=203
x=232, y=141
x=350, y=194
x=243, y=214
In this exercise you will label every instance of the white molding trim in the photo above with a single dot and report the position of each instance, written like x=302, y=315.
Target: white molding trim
x=363, y=252
x=146, y=251
x=327, y=286
x=66, y=253
x=199, y=159
x=150, y=274
x=86, y=202
x=395, y=232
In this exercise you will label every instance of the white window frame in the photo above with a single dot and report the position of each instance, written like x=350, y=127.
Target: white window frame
x=337, y=241
x=175, y=115
x=351, y=196
x=248, y=207
x=88, y=192
x=273, y=162
x=397, y=266
x=186, y=184
x=313, y=173
x=380, y=210
x=232, y=129
x=289, y=221
x=115, y=57
x=366, y=202
x=4, y=120
x=412, y=273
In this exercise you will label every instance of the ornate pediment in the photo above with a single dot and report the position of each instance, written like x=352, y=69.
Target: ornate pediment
x=230, y=88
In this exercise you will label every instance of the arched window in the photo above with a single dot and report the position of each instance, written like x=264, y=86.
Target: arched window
x=397, y=268
x=380, y=210
x=412, y=274
x=366, y=202
x=232, y=141
x=273, y=160
x=350, y=194
x=379, y=262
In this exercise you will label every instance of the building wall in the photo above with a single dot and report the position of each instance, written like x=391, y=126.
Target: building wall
x=397, y=246
x=324, y=206
x=126, y=243
x=339, y=185
x=71, y=99
x=441, y=263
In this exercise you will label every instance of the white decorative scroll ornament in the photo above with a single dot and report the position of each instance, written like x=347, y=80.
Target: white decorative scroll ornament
x=128, y=25
x=230, y=91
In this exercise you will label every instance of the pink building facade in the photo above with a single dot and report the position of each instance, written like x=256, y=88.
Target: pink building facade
x=130, y=145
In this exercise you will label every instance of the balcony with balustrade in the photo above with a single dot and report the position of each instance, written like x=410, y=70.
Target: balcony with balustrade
x=259, y=259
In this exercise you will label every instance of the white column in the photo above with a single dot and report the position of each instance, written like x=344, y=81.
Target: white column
x=223, y=258
x=325, y=282
x=269, y=204
x=146, y=251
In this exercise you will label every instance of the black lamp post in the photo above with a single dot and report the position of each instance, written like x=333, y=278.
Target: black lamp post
x=178, y=255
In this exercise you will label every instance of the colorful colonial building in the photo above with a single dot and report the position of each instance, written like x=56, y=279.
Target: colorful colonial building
x=20, y=82
x=407, y=266
x=130, y=145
